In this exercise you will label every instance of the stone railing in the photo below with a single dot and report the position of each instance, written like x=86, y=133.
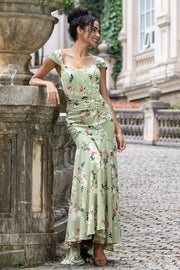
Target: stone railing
x=131, y=122
x=169, y=126
x=154, y=123
x=138, y=126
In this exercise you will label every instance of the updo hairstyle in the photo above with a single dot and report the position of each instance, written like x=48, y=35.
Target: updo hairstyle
x=79, y=16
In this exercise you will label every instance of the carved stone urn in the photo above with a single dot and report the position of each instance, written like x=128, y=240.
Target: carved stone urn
x=103, y=48
x=25, y=26
x=155, y=92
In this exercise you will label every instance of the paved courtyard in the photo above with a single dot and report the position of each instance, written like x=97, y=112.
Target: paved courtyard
x=149, y=182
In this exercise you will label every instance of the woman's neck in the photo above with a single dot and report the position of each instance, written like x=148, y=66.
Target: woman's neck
x=80, y=49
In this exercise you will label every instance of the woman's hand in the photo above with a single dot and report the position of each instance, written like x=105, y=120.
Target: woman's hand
x=52, y=93
x=121, y=144
x=37, y=80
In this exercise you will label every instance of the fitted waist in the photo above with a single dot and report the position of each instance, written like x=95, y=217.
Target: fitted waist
x=85, y=102
x=83, y=98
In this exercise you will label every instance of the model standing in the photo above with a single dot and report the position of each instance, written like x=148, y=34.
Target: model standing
x=94, y=220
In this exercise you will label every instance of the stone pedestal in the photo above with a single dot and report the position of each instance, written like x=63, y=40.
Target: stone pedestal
x=151, y=126
x=26, y=176
x=110, y=82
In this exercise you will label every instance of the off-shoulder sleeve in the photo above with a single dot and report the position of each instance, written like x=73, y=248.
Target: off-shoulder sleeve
x=100, y=62
x=56, y=56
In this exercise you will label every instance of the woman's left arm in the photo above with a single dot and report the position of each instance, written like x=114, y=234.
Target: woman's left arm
x=121, y=144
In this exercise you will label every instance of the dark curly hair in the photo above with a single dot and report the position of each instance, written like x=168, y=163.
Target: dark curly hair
x=79, y=16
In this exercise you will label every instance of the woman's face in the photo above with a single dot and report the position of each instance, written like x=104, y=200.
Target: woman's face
x=91, y=34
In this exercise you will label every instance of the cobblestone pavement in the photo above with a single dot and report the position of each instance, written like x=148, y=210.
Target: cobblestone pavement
x=149, y=182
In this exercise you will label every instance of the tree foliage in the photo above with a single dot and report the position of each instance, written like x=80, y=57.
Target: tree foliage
x=111, y=26
x=66, y=2
x=109, y=14
x=96, y=7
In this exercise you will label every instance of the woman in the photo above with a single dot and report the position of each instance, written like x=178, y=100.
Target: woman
x=94, y=220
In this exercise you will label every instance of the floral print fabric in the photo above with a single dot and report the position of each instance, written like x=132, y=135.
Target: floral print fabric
x=94, y=206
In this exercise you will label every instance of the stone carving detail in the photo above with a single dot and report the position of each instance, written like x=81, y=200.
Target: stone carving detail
x=7, y=176
x=144, y=62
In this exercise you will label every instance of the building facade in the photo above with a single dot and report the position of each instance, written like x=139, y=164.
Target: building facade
x=150, y=39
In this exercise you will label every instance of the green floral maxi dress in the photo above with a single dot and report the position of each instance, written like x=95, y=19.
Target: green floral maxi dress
x=94, y=206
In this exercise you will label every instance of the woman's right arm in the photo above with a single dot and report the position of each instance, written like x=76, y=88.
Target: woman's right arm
x=37, y=79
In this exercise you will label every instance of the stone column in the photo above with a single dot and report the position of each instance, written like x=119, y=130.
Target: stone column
x=162, y=42
x=127, y=36
x=26, y=176
x=151, y=125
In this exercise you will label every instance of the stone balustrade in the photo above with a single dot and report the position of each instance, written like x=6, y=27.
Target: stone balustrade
x=154, y=123
x=137, y=127
x=131, y=122
x=169, y=126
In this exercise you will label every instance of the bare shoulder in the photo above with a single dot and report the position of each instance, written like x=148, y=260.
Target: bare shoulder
x=92, y=57
x=66, y=52
x=49, y=63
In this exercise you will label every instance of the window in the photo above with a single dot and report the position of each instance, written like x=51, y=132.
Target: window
x=146, y=23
